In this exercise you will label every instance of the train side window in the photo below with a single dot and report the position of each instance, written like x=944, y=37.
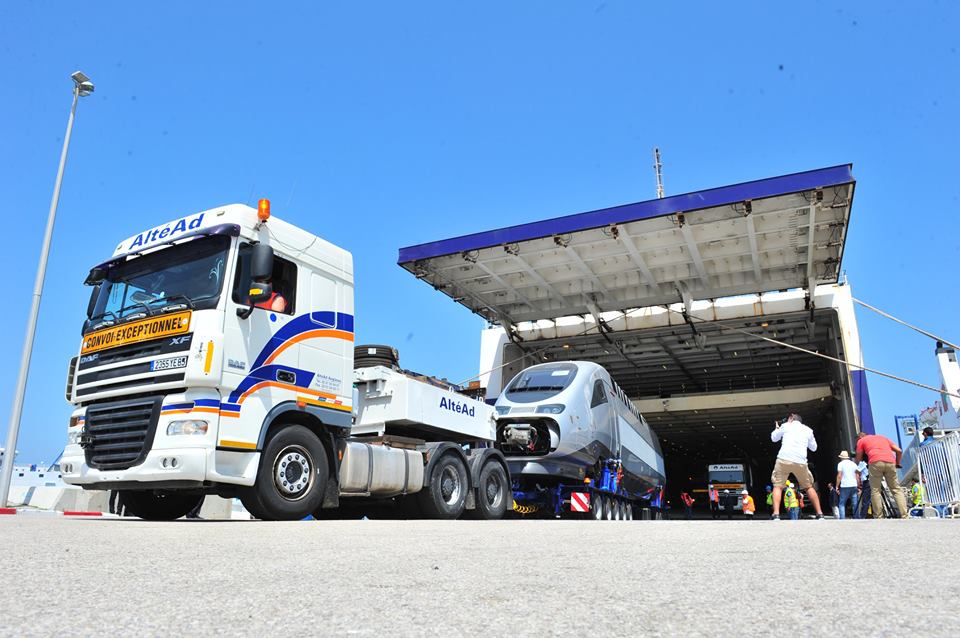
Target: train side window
x=599, y=396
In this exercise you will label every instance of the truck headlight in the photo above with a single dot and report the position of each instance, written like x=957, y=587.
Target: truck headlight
x=74, y=437
x=553, y=408
x=188, y=426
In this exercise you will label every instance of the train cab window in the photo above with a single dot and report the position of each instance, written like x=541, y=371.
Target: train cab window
x=541, y=382
x=599, y=396
x=284, y=283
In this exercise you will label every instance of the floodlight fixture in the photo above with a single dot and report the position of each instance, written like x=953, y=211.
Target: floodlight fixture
x=84, y=86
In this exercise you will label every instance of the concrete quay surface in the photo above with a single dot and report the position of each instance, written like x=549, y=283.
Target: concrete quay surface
x=66, y=576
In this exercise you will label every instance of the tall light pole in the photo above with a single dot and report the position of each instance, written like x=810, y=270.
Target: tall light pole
x=82, y=86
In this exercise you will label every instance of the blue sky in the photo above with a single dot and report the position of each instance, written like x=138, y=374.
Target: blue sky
x=381, y=125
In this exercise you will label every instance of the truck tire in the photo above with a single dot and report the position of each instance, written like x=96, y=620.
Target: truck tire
x=292, y=477
x=596, y=507
x=368, y=356
x=446, y=495
x=493, y=492
x=157, y=505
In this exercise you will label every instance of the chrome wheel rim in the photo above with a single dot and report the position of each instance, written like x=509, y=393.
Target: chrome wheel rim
x=493, y=490
x=293, y=472
x=450, y=485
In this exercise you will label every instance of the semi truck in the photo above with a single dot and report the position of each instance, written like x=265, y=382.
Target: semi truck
x=218, y=357
x=733, y=477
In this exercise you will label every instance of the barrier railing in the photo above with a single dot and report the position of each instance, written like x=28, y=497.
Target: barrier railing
x=938, y=468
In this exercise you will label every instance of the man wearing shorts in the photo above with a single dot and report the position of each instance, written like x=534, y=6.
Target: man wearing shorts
x=796, y=439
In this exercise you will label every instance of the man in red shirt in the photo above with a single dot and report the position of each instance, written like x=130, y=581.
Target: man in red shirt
x=884, y=459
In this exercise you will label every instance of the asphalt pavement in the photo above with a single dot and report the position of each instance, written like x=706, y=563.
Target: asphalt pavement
x=64, y=576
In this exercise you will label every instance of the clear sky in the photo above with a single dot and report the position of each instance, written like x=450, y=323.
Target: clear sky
x=381, y=125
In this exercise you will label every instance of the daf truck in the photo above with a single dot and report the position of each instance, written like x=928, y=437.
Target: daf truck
x=217, y=357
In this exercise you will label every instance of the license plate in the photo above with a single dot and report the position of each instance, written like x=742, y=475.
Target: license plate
x=168, y=364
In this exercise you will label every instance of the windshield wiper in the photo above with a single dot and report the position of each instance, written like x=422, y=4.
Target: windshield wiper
x=184, y=297
x=134, y=305
x=537, y=388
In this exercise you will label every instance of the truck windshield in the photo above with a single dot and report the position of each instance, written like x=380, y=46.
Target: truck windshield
x=726, y=476
x=541, y=382
x=191, y=274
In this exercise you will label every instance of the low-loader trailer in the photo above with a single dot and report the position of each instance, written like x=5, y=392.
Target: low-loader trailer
x=217, y=357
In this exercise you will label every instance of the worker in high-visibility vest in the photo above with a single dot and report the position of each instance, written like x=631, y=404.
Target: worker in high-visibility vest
x=770, y=497
x=916, y=493
x=749, y=507
x=714, y=497
x=791, y=502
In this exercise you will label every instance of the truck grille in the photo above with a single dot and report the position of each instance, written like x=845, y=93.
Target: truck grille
x=119, y=434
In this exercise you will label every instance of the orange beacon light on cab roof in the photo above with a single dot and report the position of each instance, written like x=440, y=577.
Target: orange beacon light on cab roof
x=263, y=210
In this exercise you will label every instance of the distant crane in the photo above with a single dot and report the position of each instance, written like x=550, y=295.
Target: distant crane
x=658, y=166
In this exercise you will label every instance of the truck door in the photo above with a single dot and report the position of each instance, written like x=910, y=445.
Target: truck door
x=259, y=363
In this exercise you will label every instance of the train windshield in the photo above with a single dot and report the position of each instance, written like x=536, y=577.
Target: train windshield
x=541, y=382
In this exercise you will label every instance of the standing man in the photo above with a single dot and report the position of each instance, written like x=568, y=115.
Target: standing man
x=927, y=436
x=687, y=504
x=714, y=497
x=883, y=457
x=796, y=439
x=729, y=503
x=864, y=492
x=832, y=494
x=848, y=482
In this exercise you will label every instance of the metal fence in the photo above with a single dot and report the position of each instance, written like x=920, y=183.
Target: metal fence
x=938, y=468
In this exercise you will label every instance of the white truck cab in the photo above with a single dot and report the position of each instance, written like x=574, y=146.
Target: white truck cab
x=218, y=357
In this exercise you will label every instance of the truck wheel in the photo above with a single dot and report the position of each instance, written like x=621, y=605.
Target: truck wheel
x=292, y=477
x=596, y=507
x=608, y=506
x=156, y=505
x=446, y=494
x=493, y=493
x=629, y=511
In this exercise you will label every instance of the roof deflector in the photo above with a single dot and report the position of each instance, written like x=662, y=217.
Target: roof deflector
x=772, y=234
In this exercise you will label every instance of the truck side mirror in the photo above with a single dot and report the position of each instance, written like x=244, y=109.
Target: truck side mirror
x=261, y=262
x=92, y=304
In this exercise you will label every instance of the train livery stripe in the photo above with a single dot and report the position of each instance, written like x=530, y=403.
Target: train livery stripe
x=632, y=441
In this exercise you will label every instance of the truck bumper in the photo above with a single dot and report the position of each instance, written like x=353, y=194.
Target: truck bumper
x=160, y=466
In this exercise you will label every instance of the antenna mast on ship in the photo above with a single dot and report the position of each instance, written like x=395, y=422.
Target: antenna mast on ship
x=658, y=166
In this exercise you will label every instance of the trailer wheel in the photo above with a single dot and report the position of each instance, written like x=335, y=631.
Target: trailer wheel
x=629, y=511
x=292, y=477
x=608, y=506
x=156, y=505
x=493, y=492
x=596, y=507
x=446, y=494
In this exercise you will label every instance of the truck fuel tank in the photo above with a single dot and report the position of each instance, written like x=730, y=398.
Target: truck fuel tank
x=379, y=470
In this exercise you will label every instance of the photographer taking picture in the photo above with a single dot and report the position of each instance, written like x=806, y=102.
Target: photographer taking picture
x=796, y=439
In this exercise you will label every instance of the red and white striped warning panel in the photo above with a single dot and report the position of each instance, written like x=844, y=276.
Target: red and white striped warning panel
x=580, y=502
